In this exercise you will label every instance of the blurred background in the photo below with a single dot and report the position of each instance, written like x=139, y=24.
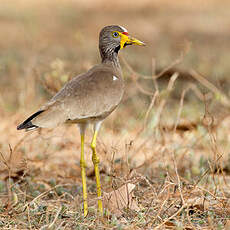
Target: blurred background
x=45, y=43
x=59, y=39
x=177, y=87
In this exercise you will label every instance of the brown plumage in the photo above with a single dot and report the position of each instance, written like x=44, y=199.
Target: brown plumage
x=89, y=97
x=86, y=98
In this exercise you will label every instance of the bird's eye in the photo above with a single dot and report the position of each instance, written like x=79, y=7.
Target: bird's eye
x=115, y=34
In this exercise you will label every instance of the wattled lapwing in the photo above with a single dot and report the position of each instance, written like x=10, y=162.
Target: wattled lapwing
x=88, y=99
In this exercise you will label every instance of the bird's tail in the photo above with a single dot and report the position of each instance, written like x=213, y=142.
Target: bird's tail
x=27, y=124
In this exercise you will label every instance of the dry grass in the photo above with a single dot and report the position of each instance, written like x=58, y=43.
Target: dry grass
x=169, y=137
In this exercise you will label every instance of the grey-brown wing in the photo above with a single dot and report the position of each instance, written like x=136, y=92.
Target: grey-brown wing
x=94, y=94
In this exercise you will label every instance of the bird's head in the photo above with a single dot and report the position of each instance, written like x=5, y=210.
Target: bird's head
x=113, y=38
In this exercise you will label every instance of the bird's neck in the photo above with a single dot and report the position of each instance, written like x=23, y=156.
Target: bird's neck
x=110, y=58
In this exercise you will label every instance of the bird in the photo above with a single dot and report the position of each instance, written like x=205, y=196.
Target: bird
x=88, y=99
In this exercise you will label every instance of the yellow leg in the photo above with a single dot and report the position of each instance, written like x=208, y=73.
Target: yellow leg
x=83, y=175
x=96, y=161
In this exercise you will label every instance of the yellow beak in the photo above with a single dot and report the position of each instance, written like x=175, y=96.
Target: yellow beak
x=127, y=40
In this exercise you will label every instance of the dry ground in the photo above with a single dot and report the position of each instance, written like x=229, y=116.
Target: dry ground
x=169, y=137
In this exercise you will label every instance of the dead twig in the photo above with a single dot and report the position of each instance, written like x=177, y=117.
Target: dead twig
x=55, y=218
x=222, y=97
x=171, y=217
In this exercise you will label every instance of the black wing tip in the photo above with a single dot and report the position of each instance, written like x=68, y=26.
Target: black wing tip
x=27, y=124
x=19, y=127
